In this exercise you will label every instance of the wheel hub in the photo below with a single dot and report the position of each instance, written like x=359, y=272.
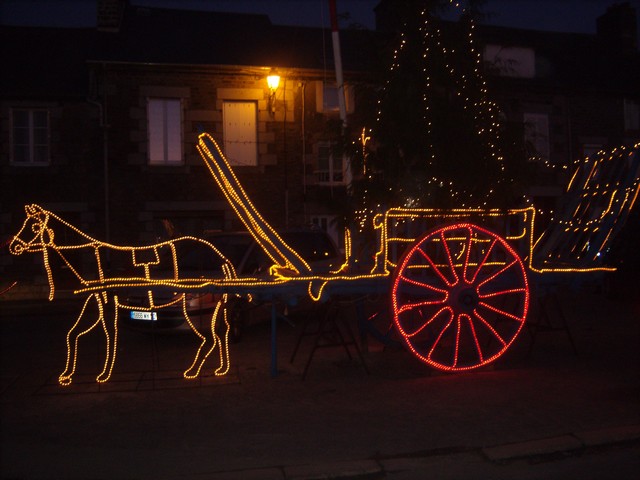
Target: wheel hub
x=464, y=299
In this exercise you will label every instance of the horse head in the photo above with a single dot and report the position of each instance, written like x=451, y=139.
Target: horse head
x=35, y=234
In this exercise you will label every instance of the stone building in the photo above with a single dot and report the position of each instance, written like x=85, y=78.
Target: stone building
x=100, y=124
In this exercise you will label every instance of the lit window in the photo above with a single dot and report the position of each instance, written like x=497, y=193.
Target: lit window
x=165, y=131
x=330, y=169
x=30, y=137
x=240, y=133
x=536, y=135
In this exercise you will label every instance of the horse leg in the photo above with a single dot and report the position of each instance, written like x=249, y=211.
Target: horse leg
x=73, y=335
x=223, y=342
x=208, y=343
x=110, y=327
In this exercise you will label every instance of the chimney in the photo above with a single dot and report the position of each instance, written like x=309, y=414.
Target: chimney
x=110, y=14
x=618, y=27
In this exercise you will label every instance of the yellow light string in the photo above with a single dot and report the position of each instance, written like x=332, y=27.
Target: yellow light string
x=284, y=257
x=605, y=189
x=42, y=240
x=287, y=272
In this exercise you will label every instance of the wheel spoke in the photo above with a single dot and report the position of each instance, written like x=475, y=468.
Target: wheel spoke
x=428, y=322
x=475, y=338
x=423, y=285
x=497, y=274
x=503, y=292
x=435, y=344
x=411, y=306
x=484, y=260
x=449, y=258
x=491, y=329
x=435, y=268
x=467, y=256
x=501, y=312
x=457, y=348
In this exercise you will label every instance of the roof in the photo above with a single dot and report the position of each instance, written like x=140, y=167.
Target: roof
x=52, y=61
x=44, y=61
x=166, y=36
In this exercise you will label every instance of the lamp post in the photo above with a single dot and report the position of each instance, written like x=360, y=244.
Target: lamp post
x=273, y=81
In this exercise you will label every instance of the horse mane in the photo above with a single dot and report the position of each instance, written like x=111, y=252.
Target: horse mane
x=91, y=241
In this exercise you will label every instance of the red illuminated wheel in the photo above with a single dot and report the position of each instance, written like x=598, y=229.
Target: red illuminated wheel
x=460, y=297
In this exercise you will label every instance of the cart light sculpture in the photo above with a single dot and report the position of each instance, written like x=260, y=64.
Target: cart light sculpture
x=460, y=294
x=38, y=235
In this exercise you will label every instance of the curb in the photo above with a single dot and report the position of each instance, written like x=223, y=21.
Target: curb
x=344, y=470
x=563, y=444
x=532, y=448
x=609, y=436
x=339, y=470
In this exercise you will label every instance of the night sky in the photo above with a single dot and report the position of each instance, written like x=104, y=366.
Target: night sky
x=557, y=15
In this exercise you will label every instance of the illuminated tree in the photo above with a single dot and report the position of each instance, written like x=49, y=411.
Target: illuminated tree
x=437, y=140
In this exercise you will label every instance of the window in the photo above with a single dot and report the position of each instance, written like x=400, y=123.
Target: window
x=30, y=137
x=165, y=131
x=328, y=224
x=327, y=97
x=330, y=168
x=516, y=62
x=631, y=115
x=536, y=135
x=240, y=133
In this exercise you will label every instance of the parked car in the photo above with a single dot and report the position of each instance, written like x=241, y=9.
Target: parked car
x=249, y=260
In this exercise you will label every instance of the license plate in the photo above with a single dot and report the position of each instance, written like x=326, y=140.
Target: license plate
x=151, y=316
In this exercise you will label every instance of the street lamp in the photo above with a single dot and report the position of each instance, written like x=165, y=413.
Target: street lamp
x=273, y=80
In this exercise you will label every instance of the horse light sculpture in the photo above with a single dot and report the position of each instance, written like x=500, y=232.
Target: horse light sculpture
x=37, y=235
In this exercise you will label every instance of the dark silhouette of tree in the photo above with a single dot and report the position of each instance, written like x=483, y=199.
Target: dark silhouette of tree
x=437, y=139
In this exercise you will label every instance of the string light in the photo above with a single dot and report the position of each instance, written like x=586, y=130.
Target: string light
x=520, y=223
x=461, y=68
x=449, y=300
x=40, y=223
x=445, y=282
x=600, y=194
x=285, y=258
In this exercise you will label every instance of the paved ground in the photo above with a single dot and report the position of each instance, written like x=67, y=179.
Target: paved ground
x=399, y=421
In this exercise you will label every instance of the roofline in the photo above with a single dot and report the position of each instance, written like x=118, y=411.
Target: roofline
x=248, y=70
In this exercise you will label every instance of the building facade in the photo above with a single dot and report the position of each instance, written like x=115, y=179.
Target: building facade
x=101, y=125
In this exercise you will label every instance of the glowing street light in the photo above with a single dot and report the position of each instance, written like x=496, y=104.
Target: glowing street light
x=273, y=81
